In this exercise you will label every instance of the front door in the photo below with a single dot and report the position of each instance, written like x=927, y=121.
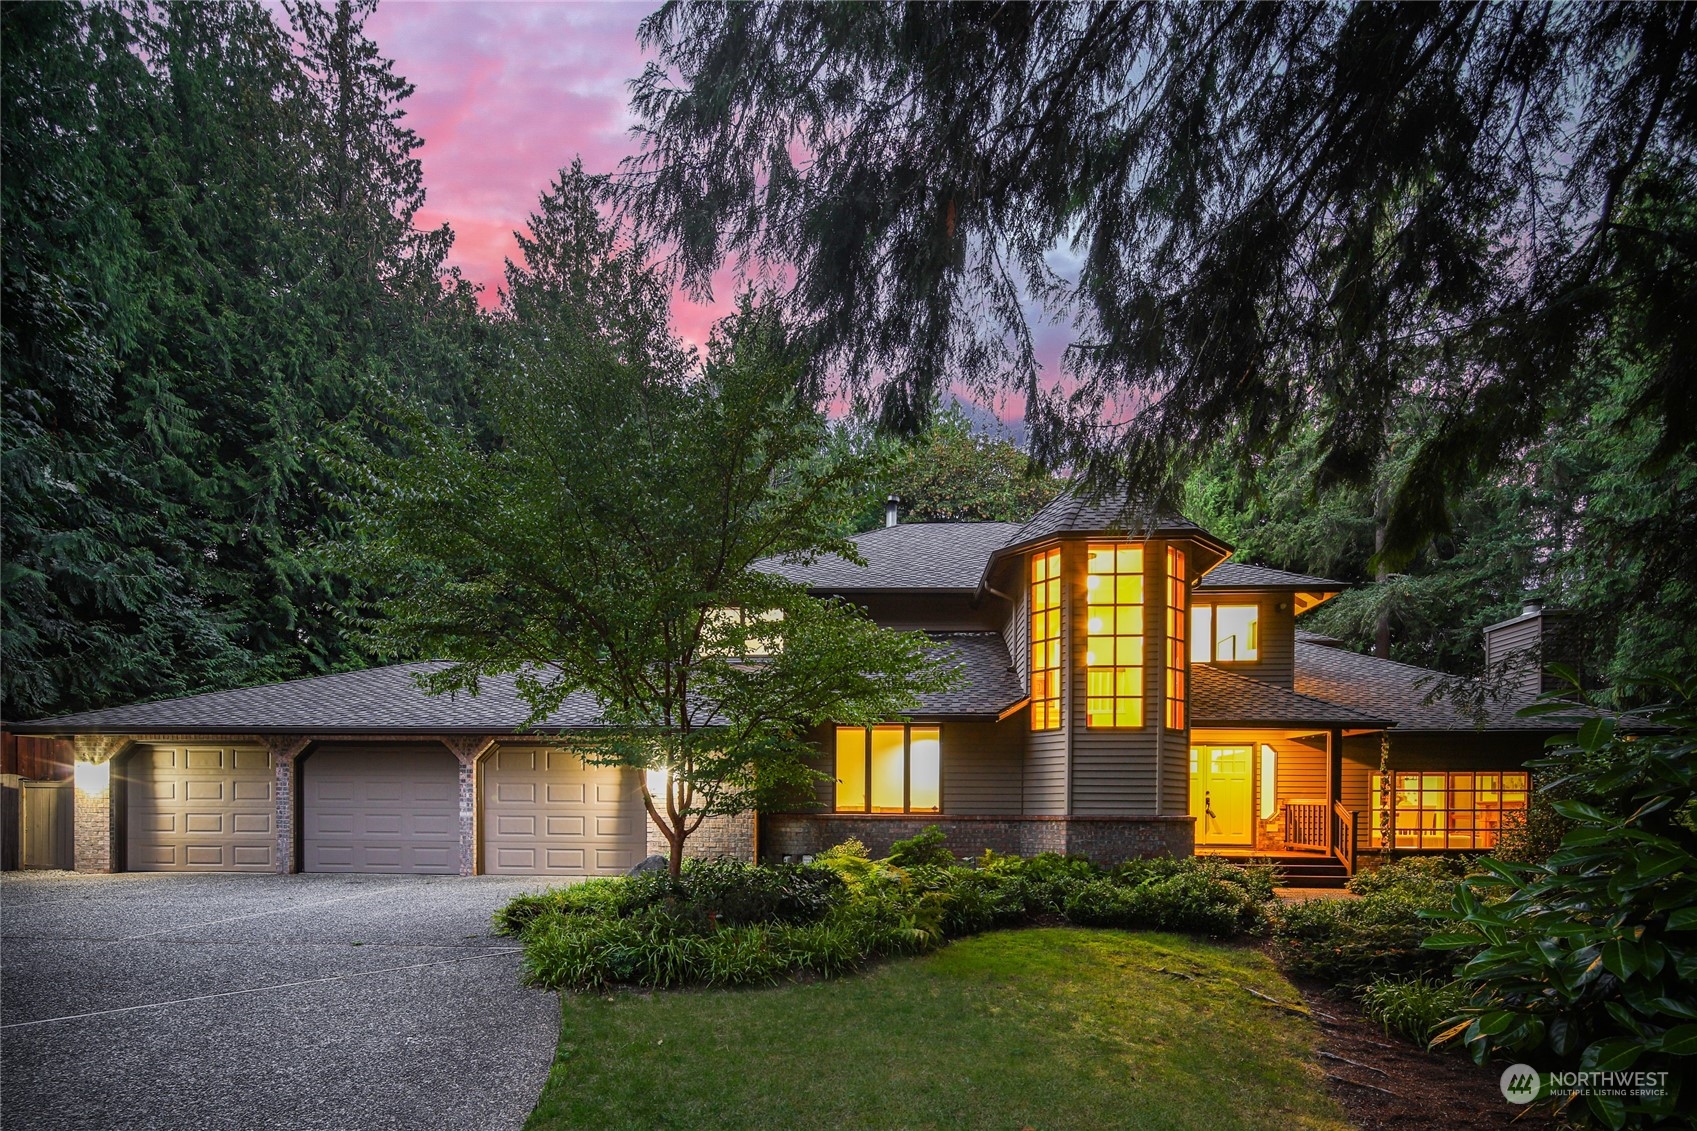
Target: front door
x=1222, y=794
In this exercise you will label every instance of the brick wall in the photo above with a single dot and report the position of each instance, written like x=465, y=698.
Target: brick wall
x=1103, y=839
x=717, y=836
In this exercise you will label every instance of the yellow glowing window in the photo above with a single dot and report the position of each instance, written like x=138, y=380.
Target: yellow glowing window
x=1226, y=633
x=891, y=768
x=1461, y=809
x=1113, y=645
x=1045, y=637
x=851, y=768
x=1177, y=668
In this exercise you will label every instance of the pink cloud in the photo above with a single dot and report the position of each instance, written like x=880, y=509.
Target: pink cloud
x=506, y=95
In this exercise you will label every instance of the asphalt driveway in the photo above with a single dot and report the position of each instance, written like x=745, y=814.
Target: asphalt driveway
x=241, y=1001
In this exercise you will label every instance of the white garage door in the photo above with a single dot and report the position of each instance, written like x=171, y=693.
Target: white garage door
x=546, y=813
x=380, y=809
x=200, y=808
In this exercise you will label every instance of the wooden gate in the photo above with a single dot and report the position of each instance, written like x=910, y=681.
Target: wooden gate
x=46, y=813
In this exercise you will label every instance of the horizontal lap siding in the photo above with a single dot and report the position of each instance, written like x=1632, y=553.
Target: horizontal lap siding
x=982, y=767
x=1276, y=662
x=1301, y=770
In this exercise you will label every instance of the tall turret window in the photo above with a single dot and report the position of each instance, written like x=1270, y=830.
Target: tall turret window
x=1046, y=640
x=1113, y=656
x=1176, y=668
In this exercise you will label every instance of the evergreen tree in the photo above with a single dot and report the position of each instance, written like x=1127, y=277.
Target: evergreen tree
x=1258, y=217
x=209, y=260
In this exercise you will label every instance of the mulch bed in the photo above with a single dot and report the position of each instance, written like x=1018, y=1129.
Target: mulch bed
x=1387, y=1084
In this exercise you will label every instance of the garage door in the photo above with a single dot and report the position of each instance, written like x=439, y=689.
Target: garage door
x=200, y=808
x=380, y=809
x=546, y=813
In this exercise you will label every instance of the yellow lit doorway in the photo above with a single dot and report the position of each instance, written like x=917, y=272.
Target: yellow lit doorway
x=1222, y=794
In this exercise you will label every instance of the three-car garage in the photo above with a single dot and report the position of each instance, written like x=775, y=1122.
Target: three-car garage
x=377, y=808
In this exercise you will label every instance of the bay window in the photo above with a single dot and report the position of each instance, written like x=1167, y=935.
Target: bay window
x=1113, y=656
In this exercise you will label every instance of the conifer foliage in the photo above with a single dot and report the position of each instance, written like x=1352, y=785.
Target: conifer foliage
x=209, y=254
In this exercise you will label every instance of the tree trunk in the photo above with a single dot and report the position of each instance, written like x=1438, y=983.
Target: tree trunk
x=1381, y=574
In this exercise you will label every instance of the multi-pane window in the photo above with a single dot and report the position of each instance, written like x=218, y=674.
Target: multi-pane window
x=1176, y=665
x=890, y=768
x=1225, y=633
x=1046, y=640
x=1435, y=809
x=1113, y=648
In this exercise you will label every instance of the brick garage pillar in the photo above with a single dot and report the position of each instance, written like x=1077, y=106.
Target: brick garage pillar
x=96, y=822
x=285, y=762
x=467, y=751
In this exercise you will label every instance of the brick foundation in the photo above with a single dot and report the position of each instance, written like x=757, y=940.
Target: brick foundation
x=717, y=836
x=1102, y=839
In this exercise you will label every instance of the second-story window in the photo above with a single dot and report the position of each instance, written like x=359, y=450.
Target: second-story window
x=1177, y=672
x=1046, y=640
x=1225, y=633
x=1113, y=650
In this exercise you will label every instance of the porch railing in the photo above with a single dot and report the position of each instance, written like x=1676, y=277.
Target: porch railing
x=1343, y=835
x=1305, y=825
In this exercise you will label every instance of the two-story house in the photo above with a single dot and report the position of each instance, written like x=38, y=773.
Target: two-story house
x=1123, y=689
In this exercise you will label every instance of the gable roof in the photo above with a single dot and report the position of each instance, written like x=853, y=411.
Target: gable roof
x=1223, y=698
x=1235, y=575
x=1397, y=691
x=388, y=699
x=909, y=555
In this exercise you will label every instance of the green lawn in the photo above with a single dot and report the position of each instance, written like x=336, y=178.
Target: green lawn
x=1046, y=1029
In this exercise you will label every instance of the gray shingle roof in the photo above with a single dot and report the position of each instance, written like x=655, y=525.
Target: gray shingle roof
x=376, y=699
x=910, y=555
x=1222, y=698
x=989, y=685
x=1072, y=514
x=1397, y=691
x=388, y=700
x=1234, y=575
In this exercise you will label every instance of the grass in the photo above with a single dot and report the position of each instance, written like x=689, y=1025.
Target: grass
x=1045, y=1029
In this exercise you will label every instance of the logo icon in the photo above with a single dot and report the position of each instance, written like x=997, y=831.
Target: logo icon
x=1519, y=1083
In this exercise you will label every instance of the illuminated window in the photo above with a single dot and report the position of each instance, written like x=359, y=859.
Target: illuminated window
x=1269, y=782
x=1046, y=640
x=891, y=768
x=1435, y=809
x=1225, y=633
x=1113, y=647
x=1176, y=665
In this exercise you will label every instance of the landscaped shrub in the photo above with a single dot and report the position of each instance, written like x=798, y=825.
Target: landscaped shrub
x=1414, y=1007
x=1421, y=878
x=1590, y=959
x=709, y=892
x=1349, y=942
x=724, y=923
x=924, y=850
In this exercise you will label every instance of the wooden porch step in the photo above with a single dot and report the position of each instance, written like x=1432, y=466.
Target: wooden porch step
x=1296, y=871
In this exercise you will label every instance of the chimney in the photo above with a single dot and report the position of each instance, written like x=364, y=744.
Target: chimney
x=892, y=511
x=1537, y=638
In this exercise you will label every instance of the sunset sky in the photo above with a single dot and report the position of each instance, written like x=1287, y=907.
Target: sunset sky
x=508, y=94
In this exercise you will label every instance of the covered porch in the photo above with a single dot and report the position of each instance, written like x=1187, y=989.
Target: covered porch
x=1267, y=774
